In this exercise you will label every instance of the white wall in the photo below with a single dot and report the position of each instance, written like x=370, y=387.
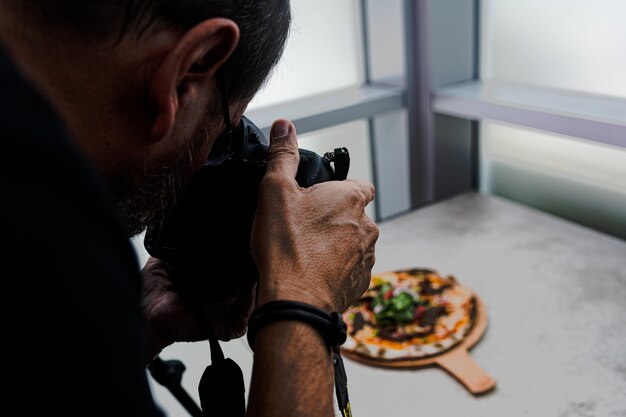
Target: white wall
x=323, y=52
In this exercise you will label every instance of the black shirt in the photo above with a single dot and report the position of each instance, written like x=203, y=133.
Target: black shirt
x=72, y=328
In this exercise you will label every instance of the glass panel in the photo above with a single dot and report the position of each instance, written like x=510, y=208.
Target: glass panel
x=385, y=22
x=579, y=180
x=568, y=44
x=391, y=148
x=355, y=137
x=323, y=52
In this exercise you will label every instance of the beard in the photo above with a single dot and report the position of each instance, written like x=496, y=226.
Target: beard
x=148, y=196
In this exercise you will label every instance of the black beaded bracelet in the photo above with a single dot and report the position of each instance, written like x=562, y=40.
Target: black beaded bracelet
x=331, y=327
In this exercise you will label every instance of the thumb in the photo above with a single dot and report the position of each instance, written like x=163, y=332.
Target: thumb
x=283, y=158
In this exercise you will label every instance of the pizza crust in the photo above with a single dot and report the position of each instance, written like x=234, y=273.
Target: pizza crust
x=428, y=288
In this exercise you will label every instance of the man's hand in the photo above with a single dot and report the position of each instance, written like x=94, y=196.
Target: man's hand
x=171, y=320
x=315, y=244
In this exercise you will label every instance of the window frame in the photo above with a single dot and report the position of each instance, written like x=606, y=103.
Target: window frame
x=445, y=100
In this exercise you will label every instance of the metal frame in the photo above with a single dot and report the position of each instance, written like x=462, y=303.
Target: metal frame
x=586, y=116
x=441, y=151
x=388, y=130
x=445, y=100
x=333, y=108
x=421, y=146
x=591, y=117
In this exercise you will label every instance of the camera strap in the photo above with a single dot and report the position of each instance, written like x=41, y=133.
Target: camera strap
x=331, y=327
x=221, y=388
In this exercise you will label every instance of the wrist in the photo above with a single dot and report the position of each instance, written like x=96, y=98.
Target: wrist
x=268, y=294
x=331, y=327
x=286, y=354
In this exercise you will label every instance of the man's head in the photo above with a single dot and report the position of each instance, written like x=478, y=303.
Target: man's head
x=137, y=81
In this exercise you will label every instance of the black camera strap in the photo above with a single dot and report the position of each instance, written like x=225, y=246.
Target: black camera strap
x=331, y=327
x=222, y=391
x=221, y=388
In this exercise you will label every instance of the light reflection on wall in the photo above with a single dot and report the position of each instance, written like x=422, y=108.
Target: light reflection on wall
x=566, y=44
x=323, y=52
x=576, y=45
x=579, y=180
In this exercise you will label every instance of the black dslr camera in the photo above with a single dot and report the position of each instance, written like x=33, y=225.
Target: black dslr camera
x=207, y=235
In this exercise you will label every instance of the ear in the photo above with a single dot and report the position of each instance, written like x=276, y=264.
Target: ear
x=180, y=77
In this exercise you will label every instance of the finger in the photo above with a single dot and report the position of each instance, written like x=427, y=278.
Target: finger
x=360, y=193
x=283, y=158
x=371, y=231
x=351, y=191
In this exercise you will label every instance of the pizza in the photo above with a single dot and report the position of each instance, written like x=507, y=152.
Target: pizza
x=409, y=314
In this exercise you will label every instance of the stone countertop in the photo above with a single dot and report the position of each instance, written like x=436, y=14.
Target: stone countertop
x=555, y=293
x=556, y=299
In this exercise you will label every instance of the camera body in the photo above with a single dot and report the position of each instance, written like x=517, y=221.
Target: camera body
x=206, y=237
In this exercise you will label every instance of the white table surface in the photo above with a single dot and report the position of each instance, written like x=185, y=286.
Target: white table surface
x=556, y=298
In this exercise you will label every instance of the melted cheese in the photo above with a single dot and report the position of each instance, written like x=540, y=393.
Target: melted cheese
x=449, y=330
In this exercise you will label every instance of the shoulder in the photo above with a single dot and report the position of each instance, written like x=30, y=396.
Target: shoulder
x=75, y=280
x=47, y=183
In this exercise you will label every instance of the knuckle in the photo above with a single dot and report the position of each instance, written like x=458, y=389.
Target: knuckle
x=364, y=282
x=357, y=198
x=370, y=228
x=371, y=261
x=366, y=187
x=283, y=149
x=282, y=155
x=374, y=230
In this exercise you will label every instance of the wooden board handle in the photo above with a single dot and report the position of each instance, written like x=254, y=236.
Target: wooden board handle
x=460, y=364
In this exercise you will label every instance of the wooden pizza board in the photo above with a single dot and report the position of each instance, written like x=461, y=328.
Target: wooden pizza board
x=456, y=361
